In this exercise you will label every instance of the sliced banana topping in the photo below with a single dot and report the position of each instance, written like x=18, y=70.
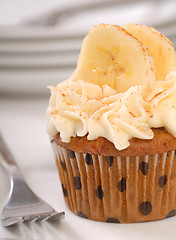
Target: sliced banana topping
x=111, y=56
x=160, y=47
x=113, y=92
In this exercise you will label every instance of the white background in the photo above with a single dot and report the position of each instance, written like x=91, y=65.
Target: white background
x=23, y=125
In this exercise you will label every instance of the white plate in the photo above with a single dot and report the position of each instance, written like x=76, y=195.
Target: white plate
x=38, y=60
x=146, y=12
x=23, y=126
x=41, y=45
x=32, y=82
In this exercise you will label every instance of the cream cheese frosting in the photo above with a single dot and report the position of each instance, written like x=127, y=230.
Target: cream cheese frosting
x=81, y=108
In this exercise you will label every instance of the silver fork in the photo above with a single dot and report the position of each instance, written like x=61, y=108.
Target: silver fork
x=22, y=204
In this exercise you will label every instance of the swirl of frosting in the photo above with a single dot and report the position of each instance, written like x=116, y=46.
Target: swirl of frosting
x=80, y=108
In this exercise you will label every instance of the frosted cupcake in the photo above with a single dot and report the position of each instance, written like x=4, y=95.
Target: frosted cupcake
x=112, y=126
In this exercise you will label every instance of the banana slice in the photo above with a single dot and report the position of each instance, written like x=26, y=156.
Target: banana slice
x=160, y=47
x=111, y=56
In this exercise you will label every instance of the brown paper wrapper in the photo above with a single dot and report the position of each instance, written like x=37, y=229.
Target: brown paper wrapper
x=118, y=189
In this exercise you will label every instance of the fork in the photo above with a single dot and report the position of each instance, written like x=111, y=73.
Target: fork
x=22, y=205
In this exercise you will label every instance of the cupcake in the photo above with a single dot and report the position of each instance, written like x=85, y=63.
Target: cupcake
x=112, y=126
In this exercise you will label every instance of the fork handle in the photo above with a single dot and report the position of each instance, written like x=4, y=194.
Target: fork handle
x=7, y=159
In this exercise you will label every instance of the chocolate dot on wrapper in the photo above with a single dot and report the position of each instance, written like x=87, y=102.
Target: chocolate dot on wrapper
x=122, y=185
x=77, y=182
x=63, y=165
x=112, y=220
x=82, y=215
x=109, y=160
x=88, y=159
x=143, y=166
x=145, y=208
x=64, y=191
x=99, y=192
x=162, y=181
x=71, y=154
x=171, y=213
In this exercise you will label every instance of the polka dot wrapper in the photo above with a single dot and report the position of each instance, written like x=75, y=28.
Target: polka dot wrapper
x=118, y=189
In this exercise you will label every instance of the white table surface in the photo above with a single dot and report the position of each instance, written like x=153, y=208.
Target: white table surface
x=23, y=124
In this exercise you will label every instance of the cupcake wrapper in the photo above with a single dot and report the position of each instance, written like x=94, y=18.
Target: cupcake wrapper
x=118, y=189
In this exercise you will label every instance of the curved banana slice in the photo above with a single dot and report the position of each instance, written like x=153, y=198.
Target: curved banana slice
x=160, y=47
x=110, y=55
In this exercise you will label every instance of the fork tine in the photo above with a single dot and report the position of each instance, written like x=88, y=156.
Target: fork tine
x=56, y=216
x=30, y=219
x=43, y=217
x=51, y=217
x=11, y=221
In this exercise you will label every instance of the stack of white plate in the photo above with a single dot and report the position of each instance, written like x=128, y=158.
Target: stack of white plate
x=34, y=57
